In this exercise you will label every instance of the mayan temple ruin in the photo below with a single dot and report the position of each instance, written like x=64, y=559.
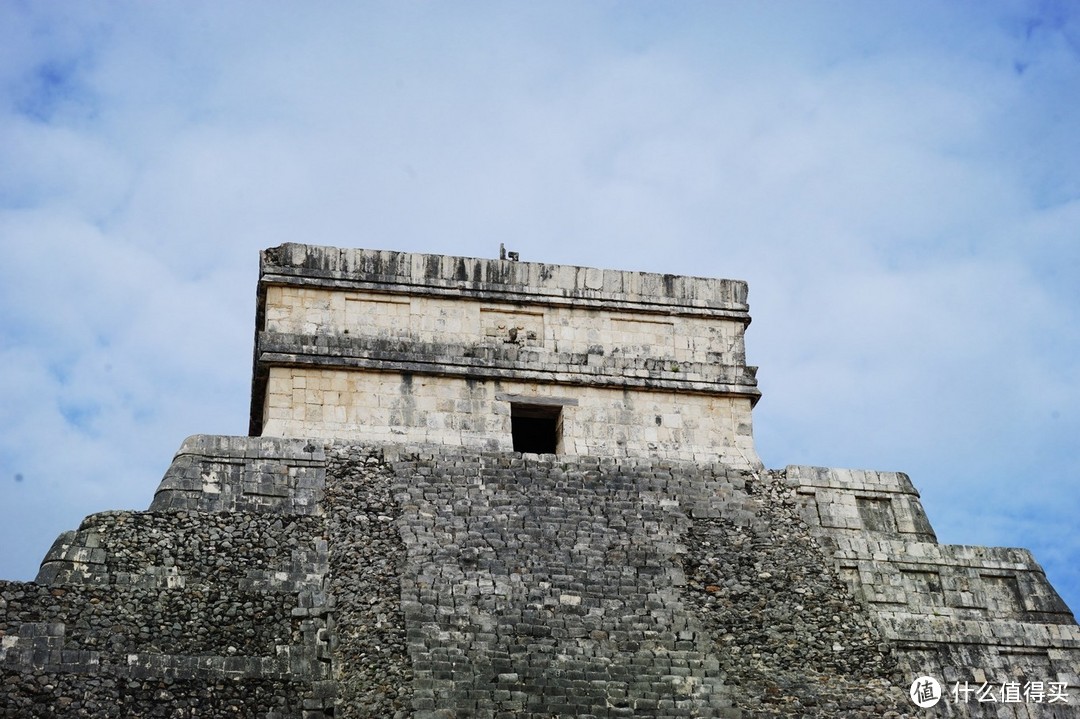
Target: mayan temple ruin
x=492, y=489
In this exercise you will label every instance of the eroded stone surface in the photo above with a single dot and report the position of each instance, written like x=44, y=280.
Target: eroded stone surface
x=367, y=558
x=432, y=581
x=398, y=347
x=401, y=560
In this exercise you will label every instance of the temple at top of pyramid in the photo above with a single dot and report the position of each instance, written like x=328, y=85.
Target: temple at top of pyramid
x=510, y=490
x=499, y=354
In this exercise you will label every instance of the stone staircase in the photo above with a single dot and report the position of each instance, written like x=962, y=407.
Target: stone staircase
x=287, y=578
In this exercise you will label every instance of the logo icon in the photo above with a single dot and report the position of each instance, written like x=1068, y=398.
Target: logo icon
x=925, y=692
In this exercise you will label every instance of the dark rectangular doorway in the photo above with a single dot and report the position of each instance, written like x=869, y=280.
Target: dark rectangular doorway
x=535, y=427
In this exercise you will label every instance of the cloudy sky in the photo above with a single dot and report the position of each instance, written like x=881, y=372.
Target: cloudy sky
x=898, y=182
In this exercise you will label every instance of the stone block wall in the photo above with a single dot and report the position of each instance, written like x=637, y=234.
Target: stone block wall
x=514, y=282
x=962, y=614
x=193, y=609
x=387, y=407
x=394, y=346
x=697, y=346
x=429, y=581
x=542, y=586
x=231, y=474
x=860, y=501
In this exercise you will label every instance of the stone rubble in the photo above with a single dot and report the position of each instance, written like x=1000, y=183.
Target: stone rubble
x=367, y=556
x=789, y=632
x=432, y=582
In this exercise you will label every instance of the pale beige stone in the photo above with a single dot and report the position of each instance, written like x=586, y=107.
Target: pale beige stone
x=602, y=421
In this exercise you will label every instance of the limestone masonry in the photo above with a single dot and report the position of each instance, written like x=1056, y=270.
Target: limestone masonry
x=494, y=489
x=394, y=347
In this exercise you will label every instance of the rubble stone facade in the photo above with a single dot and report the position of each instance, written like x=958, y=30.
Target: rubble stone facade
x=493, y=489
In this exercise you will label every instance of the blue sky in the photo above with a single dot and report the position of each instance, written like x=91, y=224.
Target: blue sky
x=898, y=182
